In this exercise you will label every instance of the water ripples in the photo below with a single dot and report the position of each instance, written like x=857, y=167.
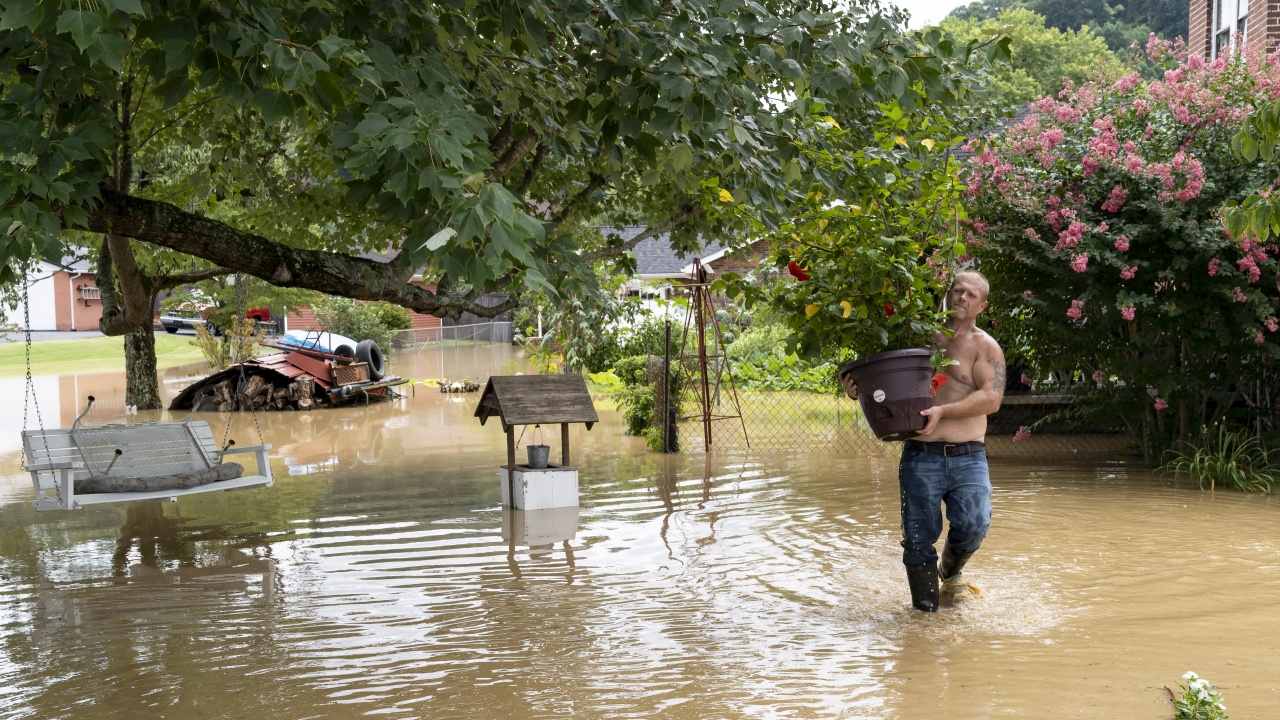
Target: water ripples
x=756, y=588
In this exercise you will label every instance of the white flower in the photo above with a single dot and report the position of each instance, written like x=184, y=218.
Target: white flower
x=1190, y=675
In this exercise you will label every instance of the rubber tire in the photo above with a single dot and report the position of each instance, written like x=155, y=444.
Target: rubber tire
x=345, y=352
x=170, y=330
x=369, y=352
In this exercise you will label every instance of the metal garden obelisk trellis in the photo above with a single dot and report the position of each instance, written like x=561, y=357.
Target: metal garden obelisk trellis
x=703, y=373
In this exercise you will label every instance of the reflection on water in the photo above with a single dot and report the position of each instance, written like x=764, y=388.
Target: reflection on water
x=380, y=577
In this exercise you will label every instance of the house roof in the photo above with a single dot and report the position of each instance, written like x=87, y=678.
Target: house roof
x=655, y=257
x=1000, y=126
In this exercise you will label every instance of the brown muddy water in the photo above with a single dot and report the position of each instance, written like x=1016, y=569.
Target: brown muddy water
x=380, y=578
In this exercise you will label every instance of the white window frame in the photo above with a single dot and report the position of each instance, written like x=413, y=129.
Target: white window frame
x=1237, y=12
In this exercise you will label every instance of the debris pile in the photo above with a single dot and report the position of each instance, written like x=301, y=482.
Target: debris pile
x=464, y=385
x=297, y=379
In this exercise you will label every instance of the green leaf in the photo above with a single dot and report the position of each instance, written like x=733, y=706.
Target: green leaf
x=681, y=158
x=82, y=25
x=437, y=241
x=372, y=124
x=179, y=47
x=21, y=14
x=535, y=281
x=791, y=171
x=174, y=91
x=109, y=49
x=132, y=7
x=495, y=199
x=959, y=249
x=274, y=105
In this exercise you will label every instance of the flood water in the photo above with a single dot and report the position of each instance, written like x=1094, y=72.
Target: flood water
x=380, y=578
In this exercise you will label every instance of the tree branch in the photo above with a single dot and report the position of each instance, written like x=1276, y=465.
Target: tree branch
x=502, y=137
x=687, y=212
x=534, y=166
x=595, y=182
x=232, y=249
x=513, y=155
x=168, y=282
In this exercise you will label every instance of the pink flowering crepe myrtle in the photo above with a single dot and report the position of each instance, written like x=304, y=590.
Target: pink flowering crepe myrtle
x=1110, y=195
x=1129, y=137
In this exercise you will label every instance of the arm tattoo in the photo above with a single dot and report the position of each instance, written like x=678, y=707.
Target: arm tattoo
x=997, y=378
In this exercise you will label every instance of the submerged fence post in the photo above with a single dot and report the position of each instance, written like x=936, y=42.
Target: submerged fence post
x=669, y=443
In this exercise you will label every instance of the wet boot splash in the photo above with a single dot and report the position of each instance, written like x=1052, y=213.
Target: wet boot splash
x=952, y=563
x=954, y=587
x=923, y=580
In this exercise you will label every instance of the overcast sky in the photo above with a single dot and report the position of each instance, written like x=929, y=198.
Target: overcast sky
x=926, y=12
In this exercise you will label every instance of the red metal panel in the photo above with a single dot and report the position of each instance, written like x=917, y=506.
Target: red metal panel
x=316, y=368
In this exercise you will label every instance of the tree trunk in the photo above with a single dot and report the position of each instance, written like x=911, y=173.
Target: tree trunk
x=141, y=382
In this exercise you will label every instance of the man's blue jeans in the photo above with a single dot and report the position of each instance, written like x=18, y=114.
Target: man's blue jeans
x=962, y=482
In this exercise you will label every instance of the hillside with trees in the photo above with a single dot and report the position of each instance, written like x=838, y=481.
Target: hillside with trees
x=1041, y=55
x=1118, y=24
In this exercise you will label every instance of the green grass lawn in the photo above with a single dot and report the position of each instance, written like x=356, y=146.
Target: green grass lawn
x=101, y=354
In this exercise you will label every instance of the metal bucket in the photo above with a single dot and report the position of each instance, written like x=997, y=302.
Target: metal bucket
x=538, y=456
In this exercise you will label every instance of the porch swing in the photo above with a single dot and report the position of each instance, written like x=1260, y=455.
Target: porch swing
x=90, y=465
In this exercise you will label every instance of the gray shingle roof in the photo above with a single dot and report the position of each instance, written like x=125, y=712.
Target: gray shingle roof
x=654, y=257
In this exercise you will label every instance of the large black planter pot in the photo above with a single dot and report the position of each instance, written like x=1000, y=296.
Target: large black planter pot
x=893, y=388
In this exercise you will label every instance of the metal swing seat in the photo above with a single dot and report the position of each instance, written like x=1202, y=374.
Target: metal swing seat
x=125, y=462
x=180, y=454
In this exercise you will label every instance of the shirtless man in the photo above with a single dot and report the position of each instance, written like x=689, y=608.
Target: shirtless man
x=949, y=463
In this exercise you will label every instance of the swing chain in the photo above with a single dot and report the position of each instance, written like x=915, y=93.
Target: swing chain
x=241, y=309
x=29, y=395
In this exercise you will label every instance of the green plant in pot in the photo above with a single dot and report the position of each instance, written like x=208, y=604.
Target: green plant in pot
x=867, y=271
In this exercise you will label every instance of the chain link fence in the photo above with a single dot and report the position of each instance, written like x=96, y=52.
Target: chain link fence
x=804, y=421
x=451, y=335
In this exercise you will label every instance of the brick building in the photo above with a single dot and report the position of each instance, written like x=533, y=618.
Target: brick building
x=304, y=319
x=63, y=297
x=1217, y=26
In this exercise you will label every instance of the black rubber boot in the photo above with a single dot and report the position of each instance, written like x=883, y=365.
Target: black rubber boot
x=923, y=580
x=952, y=562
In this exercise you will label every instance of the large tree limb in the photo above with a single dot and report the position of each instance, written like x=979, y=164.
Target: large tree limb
x=514, y=154
x=168, y=226
x=126, y=304
x=687, y=212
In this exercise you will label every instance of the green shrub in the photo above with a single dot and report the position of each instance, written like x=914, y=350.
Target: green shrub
x=639, y=339
x=358, y=321
x=759, y=341
x=392, y=317
x=1231, y=459
x=785, y=372
x=636, y=397
x=633, y=370
x=636, y=402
